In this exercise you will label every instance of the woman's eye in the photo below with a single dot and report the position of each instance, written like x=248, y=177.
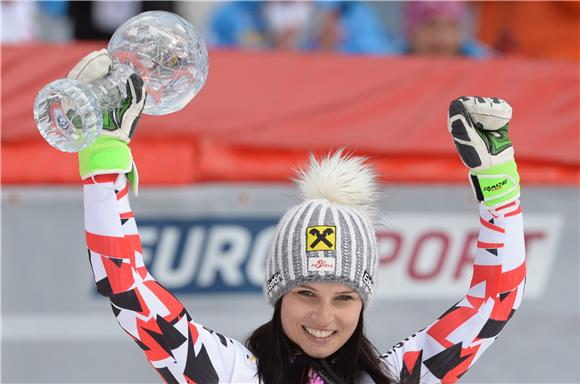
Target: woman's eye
x=344, y=298
x=305, y=293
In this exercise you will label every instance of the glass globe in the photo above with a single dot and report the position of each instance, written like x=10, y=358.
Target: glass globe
x=164, y=49
x=168, y=53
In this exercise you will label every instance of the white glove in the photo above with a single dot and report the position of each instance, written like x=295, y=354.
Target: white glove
x=479, y=126
x=121, y=121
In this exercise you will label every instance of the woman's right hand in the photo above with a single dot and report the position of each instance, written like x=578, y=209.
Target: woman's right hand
x=110, y=154
x=120, y=122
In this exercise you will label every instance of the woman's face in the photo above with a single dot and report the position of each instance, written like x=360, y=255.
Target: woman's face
x=320, y=317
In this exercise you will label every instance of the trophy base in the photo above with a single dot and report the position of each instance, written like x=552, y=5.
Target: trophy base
x=67, y=115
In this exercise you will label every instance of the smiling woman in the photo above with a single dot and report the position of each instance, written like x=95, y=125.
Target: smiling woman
x=295, y=332
x=321, y=269
x=311, y=323
x=319, y=317
x=321, y=272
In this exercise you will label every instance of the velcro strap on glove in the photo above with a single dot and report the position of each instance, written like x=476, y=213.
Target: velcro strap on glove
x=108, y=155
x=497, y=185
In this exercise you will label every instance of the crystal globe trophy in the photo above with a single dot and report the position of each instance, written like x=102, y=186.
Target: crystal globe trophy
x=164, y=49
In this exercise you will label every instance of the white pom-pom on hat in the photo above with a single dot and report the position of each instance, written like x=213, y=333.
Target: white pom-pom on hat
x=341, y=179
x=330, y=236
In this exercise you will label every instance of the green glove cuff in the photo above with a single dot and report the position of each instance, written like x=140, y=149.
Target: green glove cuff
x=108, y=155
x=497, y=185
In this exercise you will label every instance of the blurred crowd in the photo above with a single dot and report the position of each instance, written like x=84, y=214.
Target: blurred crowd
x=435, y=28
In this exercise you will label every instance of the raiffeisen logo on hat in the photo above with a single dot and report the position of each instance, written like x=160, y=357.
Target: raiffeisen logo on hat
x=320, y=238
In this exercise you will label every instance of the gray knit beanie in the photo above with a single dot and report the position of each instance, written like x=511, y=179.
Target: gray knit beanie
x=330, y=236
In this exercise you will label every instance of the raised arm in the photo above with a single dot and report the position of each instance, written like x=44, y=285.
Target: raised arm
x=446, y=349
x=181, y=350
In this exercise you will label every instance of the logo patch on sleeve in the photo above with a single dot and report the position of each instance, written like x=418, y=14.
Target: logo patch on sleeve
x=320, y=238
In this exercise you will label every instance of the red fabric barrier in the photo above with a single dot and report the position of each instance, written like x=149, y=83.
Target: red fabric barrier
x=260, y=113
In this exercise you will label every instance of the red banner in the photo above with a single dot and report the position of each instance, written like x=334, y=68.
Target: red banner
x=260, y=114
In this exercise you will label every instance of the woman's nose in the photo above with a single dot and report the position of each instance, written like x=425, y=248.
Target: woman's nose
x=323, y=313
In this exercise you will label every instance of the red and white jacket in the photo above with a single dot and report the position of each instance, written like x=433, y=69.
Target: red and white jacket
x=183, y=351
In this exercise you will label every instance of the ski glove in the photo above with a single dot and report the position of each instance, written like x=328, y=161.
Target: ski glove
x=110, y=152
x=479, y=127
x=121, y=121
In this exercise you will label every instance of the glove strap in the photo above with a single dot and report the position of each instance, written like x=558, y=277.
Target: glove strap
x=108, y=155
x=496, y=185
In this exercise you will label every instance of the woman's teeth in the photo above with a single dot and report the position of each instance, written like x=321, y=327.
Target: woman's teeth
x=318, y=333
